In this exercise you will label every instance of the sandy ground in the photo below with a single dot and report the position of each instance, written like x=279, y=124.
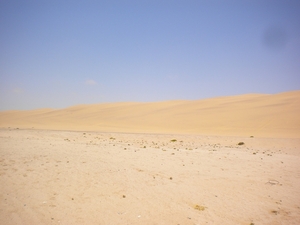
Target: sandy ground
x=68, y=177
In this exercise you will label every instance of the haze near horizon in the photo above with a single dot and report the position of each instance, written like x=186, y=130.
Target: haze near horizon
x=58, y=54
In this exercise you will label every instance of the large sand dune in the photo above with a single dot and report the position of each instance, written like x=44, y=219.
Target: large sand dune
x=252, y=114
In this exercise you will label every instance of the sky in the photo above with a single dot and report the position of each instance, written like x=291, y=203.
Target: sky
x=55, y=54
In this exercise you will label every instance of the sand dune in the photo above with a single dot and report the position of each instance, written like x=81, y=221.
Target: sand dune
x=252, y=114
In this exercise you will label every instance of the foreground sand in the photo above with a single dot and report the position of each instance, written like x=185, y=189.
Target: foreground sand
x=64, y=177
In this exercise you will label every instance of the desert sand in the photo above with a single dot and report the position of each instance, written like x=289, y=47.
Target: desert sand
x=250, y=115
x=229, y=160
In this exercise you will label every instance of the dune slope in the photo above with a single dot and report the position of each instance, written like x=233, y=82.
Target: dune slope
x=252, y=114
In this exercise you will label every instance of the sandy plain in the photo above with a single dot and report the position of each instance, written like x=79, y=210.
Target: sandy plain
x=63, y=177
x=132, y=172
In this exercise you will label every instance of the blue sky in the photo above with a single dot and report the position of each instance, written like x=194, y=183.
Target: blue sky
x=55, y=54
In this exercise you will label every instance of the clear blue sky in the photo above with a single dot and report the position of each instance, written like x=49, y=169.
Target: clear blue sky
x=55, y=54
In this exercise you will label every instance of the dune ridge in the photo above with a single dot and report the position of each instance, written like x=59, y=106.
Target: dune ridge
x=275, y=115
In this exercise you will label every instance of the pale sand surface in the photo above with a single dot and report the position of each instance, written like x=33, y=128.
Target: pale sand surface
x=74, y=166
x=68, y=177
x=260, y=115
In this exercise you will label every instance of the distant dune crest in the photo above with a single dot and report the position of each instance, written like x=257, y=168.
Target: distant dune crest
x=252, y=114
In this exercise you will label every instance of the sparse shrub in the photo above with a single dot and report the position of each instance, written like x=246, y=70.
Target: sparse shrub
x=199, y=207
x=173, y=140
x=241, y=143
